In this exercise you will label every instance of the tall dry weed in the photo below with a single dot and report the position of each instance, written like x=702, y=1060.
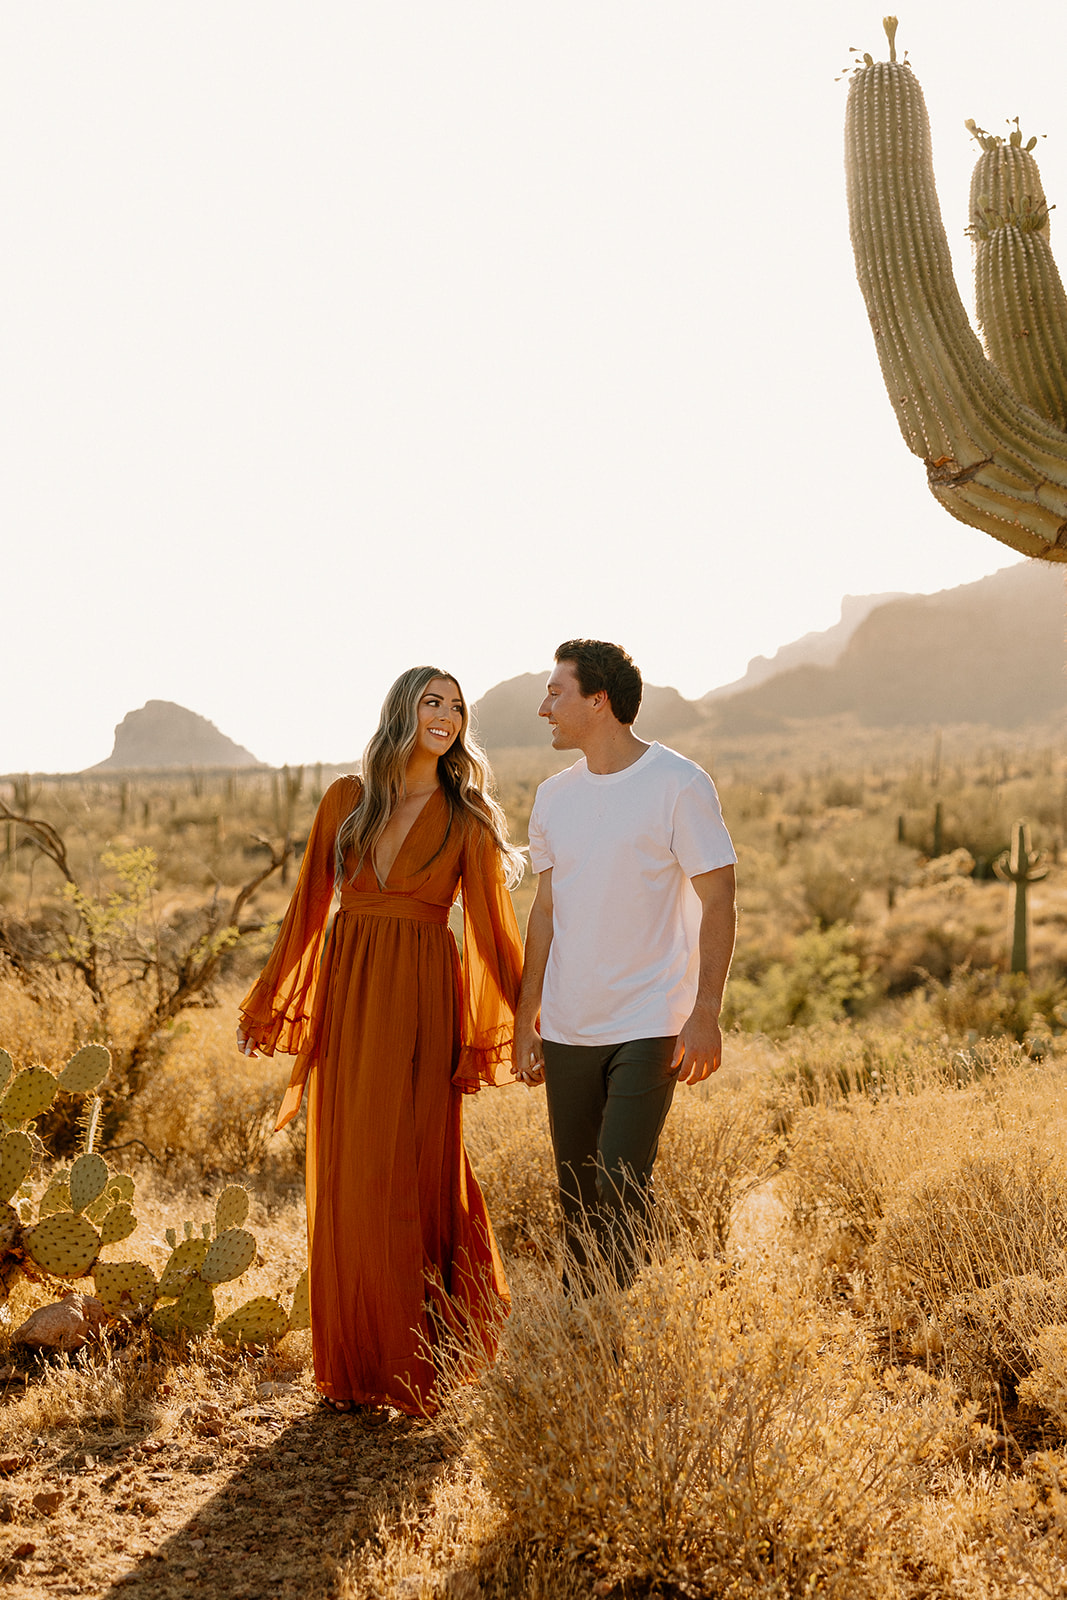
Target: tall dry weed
x=704, y=1428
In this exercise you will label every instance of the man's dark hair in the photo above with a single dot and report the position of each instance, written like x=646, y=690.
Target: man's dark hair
x=602, y=666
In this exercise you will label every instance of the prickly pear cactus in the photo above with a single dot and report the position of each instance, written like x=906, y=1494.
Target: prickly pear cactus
x=63, y=1245
x=87, y=1181
x=258, y=1321
x=17, y=1156
x=989, y=426
x=124, y=1286
x=232, y=1253
x=184, y=1263
x=85, y=1208
x=86, y=1070
x=28, y=1096
x=300, y=1310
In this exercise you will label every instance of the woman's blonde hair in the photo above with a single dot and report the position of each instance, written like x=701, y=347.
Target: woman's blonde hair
x=463, y=771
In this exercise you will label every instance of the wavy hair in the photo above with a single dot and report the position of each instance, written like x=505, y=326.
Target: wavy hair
x=463, y=771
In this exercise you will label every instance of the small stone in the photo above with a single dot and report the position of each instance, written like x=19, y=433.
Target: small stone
x=48, y=1502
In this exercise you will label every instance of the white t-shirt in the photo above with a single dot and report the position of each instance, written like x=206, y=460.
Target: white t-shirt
x=624, y=960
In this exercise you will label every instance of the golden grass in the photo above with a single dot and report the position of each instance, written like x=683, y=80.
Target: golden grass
x=826, y=1407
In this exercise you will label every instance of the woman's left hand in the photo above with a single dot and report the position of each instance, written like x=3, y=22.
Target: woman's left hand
x=246, y=1044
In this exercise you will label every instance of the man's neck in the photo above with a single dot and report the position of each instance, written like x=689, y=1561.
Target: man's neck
x=613, y=751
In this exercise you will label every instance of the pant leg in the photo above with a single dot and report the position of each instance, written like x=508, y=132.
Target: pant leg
x=606, y=1108
x=640, y=1088
x=576, y=1093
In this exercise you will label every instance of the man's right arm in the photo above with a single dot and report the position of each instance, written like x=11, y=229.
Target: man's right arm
x=528, y=1058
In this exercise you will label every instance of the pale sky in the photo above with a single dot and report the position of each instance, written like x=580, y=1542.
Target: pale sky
x=340, y=337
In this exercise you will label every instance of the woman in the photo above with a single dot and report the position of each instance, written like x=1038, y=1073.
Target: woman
x=389, y=1032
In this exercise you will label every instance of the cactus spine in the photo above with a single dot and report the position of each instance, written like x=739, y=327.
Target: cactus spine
x=1020, y=866
x=996, y=455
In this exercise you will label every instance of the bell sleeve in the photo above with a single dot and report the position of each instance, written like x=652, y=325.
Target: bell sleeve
x=492, y=966
x=277, y=1011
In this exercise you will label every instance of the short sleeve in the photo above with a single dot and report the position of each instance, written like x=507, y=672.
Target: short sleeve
x=540, y=855
x=492, y=964
x=700, y=841
x=277, y=1010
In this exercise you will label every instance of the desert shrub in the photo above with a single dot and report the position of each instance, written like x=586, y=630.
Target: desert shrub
x=993, y=1335
x=205, y=1102
x=823, y=981
x=702, y=1427
x=1046, y=1383
x=827, y=886
x=980, y=1247
x=986, y=1003
x=507, y=1139
x=716, y=1147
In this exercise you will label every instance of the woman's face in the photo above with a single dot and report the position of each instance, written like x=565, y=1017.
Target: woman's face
x=440, y=716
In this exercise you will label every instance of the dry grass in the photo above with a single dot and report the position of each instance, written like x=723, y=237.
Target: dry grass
x=761, y=1414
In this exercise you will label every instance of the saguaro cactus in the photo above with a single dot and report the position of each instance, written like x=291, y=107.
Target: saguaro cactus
x=990, y=428
x=1020, y=866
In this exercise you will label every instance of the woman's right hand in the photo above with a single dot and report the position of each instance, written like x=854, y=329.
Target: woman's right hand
x=246, y=1044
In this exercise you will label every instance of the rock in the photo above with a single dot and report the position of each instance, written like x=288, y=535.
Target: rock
x=66, y=1325
x=162, y=734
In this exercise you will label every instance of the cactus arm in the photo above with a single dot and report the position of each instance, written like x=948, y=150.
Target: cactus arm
x=1021, y=867
x=991, y=460
x=1022, y=308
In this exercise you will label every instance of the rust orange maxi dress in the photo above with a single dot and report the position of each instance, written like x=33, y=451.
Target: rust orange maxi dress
x=390, y=1031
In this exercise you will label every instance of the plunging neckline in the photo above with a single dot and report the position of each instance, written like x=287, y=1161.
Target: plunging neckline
x=383, y=883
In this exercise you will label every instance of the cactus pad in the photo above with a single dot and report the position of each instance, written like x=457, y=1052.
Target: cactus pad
x=124, y=1286
x=121, y=1186
x=119, y=1223
x=64, y=1245
x=16, y=1159
x=195, y=1311
x=86, y=1069
x=300, y=1310
x=185, y=1262
x=228, y=1256
x=231, y=1208
x=88, y=1180
x=57, y=1195
x=165, y=1320
x=258, y=1321
x=30, y=1093
x=7, y=1067
x=10, y=1222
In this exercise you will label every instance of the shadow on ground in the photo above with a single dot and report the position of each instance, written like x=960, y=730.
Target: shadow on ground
x=278, y=1526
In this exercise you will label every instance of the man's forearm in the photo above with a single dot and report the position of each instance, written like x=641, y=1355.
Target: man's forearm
x=718, y=927
x=535, y=960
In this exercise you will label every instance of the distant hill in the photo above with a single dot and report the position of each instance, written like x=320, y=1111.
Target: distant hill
x=507, y=714
x=810, y=650
x=163, y=734
x=988, y=652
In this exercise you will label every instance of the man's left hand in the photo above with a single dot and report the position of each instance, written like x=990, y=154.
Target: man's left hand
x=698, y=1050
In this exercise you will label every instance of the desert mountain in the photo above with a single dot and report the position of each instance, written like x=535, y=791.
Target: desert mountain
x=163, y=734
x=507, y=714
x=988, y=652
x=810, y=650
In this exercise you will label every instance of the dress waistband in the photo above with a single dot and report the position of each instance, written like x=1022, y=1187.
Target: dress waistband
x=392, y=905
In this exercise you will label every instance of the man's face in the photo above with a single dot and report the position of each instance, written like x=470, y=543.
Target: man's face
x=568, y=713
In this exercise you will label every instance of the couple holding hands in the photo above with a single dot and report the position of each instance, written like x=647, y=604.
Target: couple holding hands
x=616, y=1000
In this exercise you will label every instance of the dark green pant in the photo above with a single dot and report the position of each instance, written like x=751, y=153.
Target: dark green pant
x=606, y=1107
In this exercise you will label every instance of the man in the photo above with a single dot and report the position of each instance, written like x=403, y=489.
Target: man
x=627, y=948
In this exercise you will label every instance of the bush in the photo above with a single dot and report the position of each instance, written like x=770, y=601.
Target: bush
x=704, y=1429
x=823, y=982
